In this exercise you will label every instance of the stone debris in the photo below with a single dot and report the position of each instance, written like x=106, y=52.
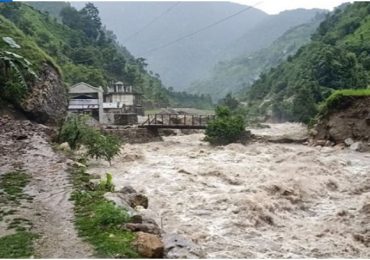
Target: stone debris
x=148, y=245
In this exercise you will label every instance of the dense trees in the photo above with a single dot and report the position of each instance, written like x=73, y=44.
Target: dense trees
x=85, y=50
x=337, y=58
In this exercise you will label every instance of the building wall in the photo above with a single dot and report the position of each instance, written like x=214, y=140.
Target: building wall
x=128, y=100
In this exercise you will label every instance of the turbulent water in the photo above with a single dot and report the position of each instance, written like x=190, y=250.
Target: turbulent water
x=254, y=201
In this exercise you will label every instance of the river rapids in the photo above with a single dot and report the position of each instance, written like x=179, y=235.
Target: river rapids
x=259, y=200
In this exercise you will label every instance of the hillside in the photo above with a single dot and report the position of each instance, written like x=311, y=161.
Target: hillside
x=238, y=73
x=337, y=58
x=138, y=27
x=86, y=51
x=343, y=118
x=28, y=75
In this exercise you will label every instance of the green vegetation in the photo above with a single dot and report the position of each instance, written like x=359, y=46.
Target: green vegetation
x=77, y=132
x=16, y=72
x=225, y=128
x=240, y=73
x=18, y=245
x=84, y=49
x=99, y=220
x=13, y=183
x=337, y=58
x=339, y=98
x=107, y=184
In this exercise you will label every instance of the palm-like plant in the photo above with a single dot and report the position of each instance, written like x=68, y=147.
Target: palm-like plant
x=12, y=64
x=15, y=68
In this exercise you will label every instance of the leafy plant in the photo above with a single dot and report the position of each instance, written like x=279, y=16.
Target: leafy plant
x=225, y=128
x=77, y=132
x=102, y=146
x=15, y=72
x=107, y=183
x=107, y=214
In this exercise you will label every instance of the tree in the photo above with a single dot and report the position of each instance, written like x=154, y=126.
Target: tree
x=225, y=128
x=91, y=23
x=77, y=132
x=229, y=101
x=71, y=17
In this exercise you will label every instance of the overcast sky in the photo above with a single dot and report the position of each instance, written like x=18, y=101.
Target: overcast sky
x=276, y=6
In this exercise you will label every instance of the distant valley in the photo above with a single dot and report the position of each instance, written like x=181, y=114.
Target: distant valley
x=144, y=26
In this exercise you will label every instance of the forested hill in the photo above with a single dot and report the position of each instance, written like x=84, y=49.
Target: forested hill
x=337, y=58
x=144, y=26
x=235, y=74
x=85, y=50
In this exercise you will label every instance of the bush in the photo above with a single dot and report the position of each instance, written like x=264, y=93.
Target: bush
x=77, y=132
x=225, y=128
x=107, y=214
x=102, y=146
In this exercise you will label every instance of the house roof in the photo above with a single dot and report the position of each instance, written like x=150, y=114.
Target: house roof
x=83, y=87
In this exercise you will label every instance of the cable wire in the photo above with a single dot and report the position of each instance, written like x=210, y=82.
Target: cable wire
x=201, y=29
x=131, y=36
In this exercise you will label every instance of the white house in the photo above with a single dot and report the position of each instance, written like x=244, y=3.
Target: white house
x=119, y=105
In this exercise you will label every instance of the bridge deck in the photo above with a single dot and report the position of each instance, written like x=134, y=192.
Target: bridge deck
x=176, y=121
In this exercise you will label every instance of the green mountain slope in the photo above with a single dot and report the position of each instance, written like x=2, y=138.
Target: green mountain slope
x=189, y=59
x=337, y=58
x=86, y=51
x=236, y=74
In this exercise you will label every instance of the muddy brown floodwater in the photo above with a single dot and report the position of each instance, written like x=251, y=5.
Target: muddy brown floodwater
x=255, y=201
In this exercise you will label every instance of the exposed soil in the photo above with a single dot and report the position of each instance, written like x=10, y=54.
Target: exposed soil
x=351, y=121
x=255, y=201
x=24, y=146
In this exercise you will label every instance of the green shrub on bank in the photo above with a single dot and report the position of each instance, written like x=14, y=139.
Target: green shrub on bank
x=99, y=221
x=77, y=132
x=338, y=99
x=225, y=128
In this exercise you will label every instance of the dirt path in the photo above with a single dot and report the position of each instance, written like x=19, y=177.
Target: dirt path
x=261, y=200
x=24, y=146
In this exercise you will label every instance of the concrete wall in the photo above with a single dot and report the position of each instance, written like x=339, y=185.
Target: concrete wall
x=134, y=135
x=128, y=100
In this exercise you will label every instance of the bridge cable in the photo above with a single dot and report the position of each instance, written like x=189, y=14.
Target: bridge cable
x=201, y=29
x=131, y=36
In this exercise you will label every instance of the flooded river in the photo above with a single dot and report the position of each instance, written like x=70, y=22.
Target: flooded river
x=255, y=201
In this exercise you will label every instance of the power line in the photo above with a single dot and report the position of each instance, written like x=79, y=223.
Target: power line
x=131, y=36
x=201, y=29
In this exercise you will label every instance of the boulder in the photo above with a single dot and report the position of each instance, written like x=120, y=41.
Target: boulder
x=47, y=101
x=136, y=199
x=148, y=245
x=348, y=141
x=120, y=200
x=65, y=147
x=176, y=246
x=127, y=190
x=358, y=147
x=144, y=227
